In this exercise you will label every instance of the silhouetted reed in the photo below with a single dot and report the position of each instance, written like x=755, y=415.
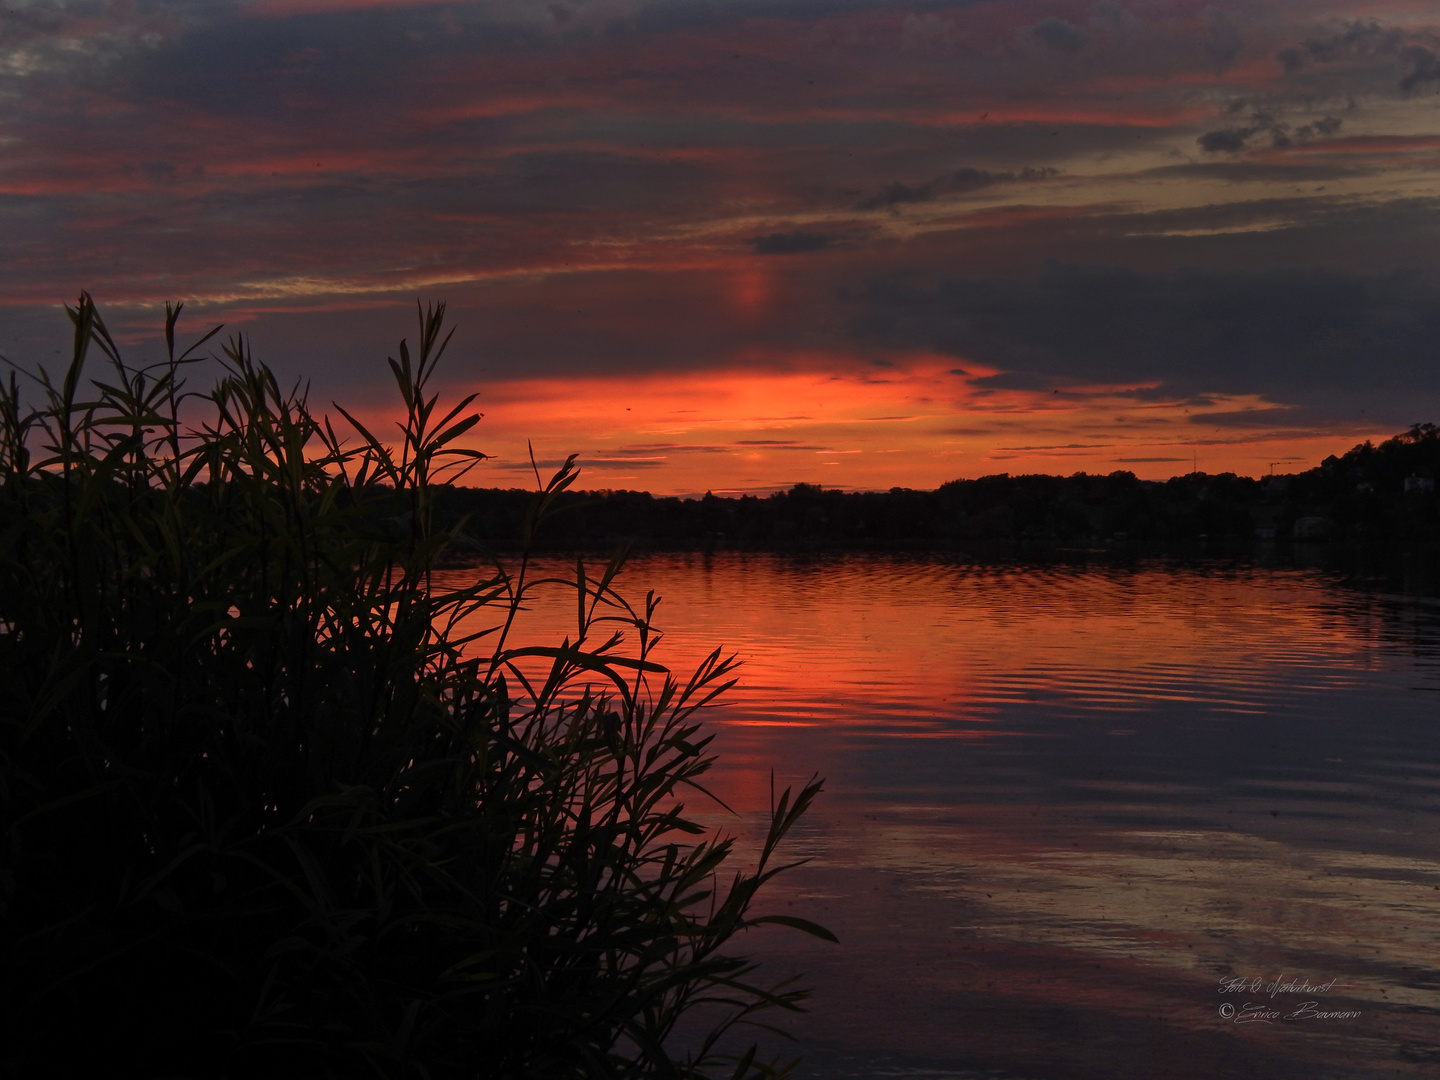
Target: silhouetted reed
x=267, y=811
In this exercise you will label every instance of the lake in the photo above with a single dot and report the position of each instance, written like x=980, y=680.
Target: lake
x=1100, y=820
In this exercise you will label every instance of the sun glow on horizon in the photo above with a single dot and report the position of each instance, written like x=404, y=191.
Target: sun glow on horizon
x=912, y=421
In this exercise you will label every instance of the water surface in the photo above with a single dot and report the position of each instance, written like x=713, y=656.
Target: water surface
x=1066, y=805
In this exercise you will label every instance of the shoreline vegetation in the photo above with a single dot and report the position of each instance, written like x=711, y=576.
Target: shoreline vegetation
x=1372, y=495
x=266, y=812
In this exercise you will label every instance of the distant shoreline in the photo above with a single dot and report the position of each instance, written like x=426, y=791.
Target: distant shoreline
x=1373, y=497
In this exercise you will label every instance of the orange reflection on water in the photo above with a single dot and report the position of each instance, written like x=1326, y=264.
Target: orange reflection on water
x=1069, y=800
x=922, y=647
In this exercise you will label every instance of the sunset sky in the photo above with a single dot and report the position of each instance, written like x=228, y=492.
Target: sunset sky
x=732, y=245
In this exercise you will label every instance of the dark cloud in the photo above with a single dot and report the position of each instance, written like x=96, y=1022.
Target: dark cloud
x=770, y=444
x=1167, y=394
x=559, y=181
x=1017, y=380
x=1058, y=35
x=668, y=16
x=1060, y=446
x=954, y=183
x=792, y=243
x=1222, y=40
x=1240, y=172
x=286, y=70
x=1424, y=68
x=657, y=450
x=1231, y=140
x=1235, y=332
x=1325, y=127
x=1226, y=140
x=1361, y=38
x=40, y=18
x=1280, y=416
x=1366, y=39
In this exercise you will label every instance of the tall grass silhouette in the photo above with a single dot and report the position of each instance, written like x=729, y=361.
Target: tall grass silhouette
x=267, y=812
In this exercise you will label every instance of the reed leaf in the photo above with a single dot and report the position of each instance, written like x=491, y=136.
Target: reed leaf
x=267, y=812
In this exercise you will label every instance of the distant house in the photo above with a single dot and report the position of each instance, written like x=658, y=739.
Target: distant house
x=1420, y=480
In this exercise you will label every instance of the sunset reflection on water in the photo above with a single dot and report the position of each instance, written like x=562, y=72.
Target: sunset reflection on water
x=1064, y=802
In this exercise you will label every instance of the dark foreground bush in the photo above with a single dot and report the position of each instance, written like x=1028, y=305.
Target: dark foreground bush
x=266, y=812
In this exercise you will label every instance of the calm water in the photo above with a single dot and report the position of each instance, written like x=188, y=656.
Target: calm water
x=1063, y=804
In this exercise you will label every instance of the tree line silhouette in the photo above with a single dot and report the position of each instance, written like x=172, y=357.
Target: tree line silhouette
x=1372, y=493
